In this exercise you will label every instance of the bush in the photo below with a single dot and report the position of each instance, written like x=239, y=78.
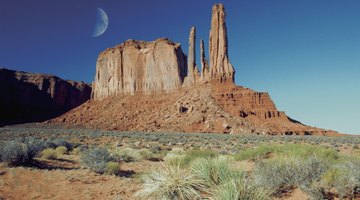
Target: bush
x=345, y=178
x=112, y=168
x=96, y=159
x=240, y=189
x=61, y=142
x=21, y=152
x=127, y=155
x=49, y=154
x=171, y=183
x=184, y=158
x=214, y=171
x=280, y=175
x=61, y=150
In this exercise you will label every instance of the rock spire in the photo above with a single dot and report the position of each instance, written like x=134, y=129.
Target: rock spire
x=221, y=69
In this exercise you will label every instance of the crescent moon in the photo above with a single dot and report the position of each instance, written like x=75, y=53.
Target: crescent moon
x=102, y=22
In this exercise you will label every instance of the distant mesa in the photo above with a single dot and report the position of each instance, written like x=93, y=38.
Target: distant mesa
x=28, y=97
x=154, y=86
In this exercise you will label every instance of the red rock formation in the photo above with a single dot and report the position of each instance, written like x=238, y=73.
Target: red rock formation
x=139, y=66
x=206, y=102
x=29, y=97
x=204, y=63
x=192, y=72
x=221, y=69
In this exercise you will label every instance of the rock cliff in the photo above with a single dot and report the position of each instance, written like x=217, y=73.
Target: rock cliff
x=29, y=97
x=139, y=66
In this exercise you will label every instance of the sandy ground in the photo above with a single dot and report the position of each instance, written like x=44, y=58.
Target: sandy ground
x=68, y=181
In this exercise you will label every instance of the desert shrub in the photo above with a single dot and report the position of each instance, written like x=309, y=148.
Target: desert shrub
x=21, y=152
x=344, y=177
x=127, y=155
x=240, y=189
x=96, y=159
x=171, y=183
x=257, y=153
x=112, y=168
x=49, y=153
x=146, y=154
x=289, y=151
x=214, y=171
x=61, y=142
x=76, y=151
x=184, y=158
x=280, y=175
x=61, y=150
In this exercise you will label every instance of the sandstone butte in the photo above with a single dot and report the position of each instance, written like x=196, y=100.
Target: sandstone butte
x=154, y=86
x=34, y=97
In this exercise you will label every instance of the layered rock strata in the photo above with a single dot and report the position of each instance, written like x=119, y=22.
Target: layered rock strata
x=29, y=97
x=139, y=66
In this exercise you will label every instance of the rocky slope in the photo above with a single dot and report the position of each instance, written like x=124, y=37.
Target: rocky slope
x=152, y=86
x=29, y=97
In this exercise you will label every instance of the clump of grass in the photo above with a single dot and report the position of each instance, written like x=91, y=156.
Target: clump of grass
x=257, y=153
x=112, y=168
x=175, y=157
x=61, y=150
x=49, y=153
x=127, y=155
x=214, y=171
x=184, y=158
x=76, y=151
x=240, y=189
x=289, y=151
x=345, y=178
x=281, y=175
x=171, y=183
x=96, y=159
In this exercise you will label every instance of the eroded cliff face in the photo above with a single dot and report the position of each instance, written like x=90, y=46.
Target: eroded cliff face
x=29, y=97
x=139, y=66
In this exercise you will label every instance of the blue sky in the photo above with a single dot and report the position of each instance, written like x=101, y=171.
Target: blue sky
x=306, y=53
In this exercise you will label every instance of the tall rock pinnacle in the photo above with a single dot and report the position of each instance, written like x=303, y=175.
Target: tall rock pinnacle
x=221, y=69
x=192, y=72
x=204, y=63
x=191, y=58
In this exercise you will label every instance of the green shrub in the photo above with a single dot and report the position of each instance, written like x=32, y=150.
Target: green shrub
x=49, y=154
x=184, y=158
x=214, y=171
x=257, y=153
x=345, y=178
x=127, y=155
x=112, y=168
x=61, y=150
x=289, y=151
x=21, y=152
x=240, y=189
x=96, y=159
x=61, y=142
x=279, y=175
x=76, y=151
x=171, y=183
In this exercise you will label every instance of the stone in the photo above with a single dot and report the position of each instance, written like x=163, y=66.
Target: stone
x=139, y=67
x=30, y=97
x=204, y=63
x=221, y=69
